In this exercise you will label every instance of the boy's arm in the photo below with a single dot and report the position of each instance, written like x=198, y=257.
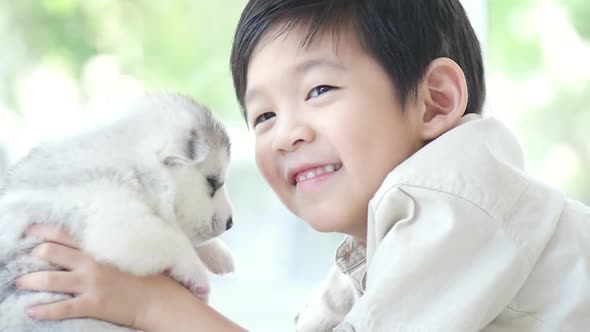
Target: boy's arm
x=436, y=262
x=173, y=308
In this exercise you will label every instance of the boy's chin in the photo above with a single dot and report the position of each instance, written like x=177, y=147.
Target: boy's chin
x=324, y=225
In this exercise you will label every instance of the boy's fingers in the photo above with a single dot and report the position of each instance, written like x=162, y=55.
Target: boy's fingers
x=49, y=281
x=56, y=311
x=59, y=255
x=52, y=233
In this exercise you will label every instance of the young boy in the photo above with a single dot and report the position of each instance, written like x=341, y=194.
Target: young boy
x=366, y=121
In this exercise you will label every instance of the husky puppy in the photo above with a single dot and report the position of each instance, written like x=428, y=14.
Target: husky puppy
x=144, y=193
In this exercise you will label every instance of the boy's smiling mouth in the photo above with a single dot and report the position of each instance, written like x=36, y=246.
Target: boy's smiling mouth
x=308, y=172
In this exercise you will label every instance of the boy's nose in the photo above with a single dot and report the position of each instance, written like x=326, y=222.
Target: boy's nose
x=288, y=139
x=229, y=223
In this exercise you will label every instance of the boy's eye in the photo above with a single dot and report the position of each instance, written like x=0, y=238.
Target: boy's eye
x=318, y=90
x=263, y=117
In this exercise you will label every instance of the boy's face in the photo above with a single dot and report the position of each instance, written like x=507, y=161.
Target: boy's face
x=328, y=126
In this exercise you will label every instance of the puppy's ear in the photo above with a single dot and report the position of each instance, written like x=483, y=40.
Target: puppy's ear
x=192, y=150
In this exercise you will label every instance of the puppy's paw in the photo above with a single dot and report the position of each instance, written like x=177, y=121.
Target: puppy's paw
x=222, y=264
x=194, y=278
x=199, y=290
x=202, y=293
x=217, y=257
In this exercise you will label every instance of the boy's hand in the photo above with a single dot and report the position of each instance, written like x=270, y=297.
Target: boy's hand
x=100, y=291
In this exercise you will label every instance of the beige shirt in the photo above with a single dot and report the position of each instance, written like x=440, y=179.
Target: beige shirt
x=461, y=239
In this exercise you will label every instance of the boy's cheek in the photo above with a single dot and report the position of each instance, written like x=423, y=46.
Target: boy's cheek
x=266, y=164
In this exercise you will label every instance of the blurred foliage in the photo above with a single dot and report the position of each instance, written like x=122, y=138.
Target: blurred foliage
x=579, y=11
x=564, y=120
x=171, y=45
x=508, y=52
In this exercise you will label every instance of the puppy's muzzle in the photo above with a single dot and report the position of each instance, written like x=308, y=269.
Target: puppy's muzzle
x=229, y=223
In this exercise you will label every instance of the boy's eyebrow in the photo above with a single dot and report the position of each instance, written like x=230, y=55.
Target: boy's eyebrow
x=318, y=62
x=302, y=67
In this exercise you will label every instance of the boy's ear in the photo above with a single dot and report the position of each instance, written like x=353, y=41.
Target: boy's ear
x=445, y=97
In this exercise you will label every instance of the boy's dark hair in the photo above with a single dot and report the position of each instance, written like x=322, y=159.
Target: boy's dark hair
x=404, y=36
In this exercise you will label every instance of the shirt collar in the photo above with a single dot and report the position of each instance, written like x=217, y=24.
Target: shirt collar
x=350, y=254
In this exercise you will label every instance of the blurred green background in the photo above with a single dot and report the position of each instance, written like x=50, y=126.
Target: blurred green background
x=181, y=45
x=68, y=63
x=539, y=83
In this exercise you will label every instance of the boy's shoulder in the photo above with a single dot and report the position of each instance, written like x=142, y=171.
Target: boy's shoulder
x=474, y=173
x=479, y=160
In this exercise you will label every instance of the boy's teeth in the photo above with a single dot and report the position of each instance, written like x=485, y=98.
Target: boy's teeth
x=315, y=172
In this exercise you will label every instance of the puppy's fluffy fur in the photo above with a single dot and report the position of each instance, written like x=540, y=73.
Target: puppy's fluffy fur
x=144, y=193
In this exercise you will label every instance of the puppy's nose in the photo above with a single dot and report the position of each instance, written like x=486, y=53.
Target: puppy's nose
x=229, y=223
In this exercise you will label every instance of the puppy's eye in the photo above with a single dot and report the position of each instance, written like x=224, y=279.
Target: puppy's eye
x=214, y=184
x=318, y=91
x=263, y=117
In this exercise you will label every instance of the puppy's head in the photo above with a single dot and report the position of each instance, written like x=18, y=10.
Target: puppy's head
x=194, y=149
